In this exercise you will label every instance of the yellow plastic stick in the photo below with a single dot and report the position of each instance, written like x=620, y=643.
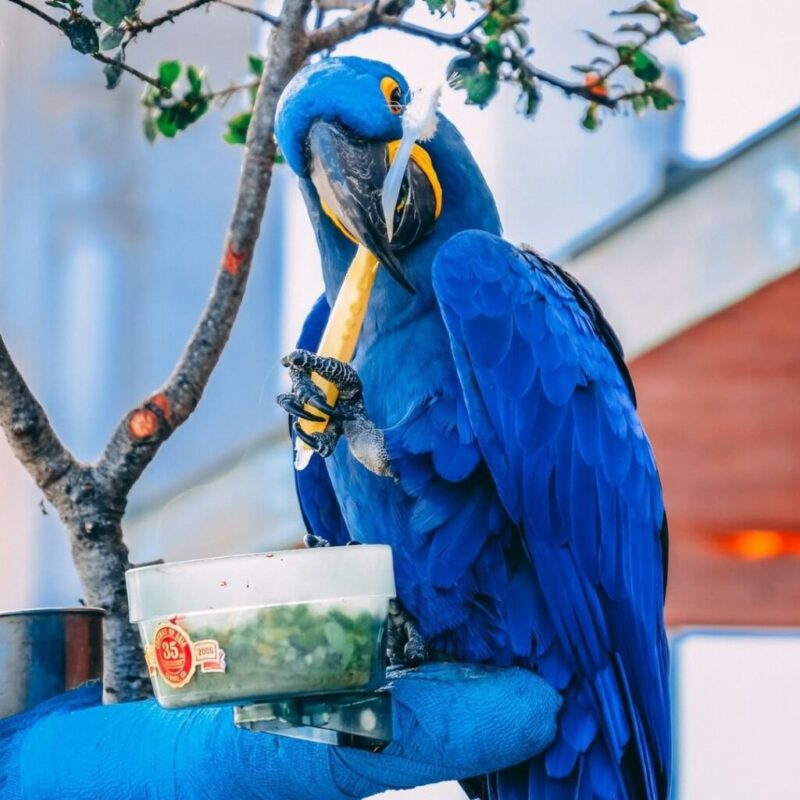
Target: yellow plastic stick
x=340, y=338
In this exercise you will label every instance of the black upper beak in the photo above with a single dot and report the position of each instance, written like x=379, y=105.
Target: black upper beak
x=348, y=174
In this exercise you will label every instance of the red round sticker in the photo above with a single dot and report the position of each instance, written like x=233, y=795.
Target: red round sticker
x=174, y=654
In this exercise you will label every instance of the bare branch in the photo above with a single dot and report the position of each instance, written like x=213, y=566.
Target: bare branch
x=365, y=17
x=221, y=96
x=338, y=5
x=262, y=15
x=142, y=26
x=29, y=432
x=142, y=432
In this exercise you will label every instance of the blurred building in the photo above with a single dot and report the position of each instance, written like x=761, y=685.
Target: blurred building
x=703, y=286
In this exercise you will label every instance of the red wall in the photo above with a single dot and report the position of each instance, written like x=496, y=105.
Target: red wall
x=721, y=404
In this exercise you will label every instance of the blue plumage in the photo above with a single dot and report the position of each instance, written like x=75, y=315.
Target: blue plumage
x=525, y=515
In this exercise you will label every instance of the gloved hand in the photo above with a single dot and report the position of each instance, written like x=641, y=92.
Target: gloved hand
x=451, y=721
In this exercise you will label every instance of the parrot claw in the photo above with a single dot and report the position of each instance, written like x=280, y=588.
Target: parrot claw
x=323, y=443
x=291, y=405
x=339, y=373
x=311, y=540
x=348, y=418
x=406, y=646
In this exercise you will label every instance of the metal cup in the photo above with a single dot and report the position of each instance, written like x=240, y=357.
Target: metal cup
x=46, y=651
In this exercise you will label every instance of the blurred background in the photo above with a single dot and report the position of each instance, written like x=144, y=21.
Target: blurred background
x=686, y=226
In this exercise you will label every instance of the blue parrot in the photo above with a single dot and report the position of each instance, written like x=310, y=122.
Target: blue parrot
x=486, y=429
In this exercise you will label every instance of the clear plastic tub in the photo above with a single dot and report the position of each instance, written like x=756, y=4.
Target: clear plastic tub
x=264, y=626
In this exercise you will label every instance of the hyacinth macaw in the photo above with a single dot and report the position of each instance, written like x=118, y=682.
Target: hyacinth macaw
x=487, y=430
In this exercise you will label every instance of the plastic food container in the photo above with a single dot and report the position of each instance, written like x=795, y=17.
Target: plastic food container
x=264, y=626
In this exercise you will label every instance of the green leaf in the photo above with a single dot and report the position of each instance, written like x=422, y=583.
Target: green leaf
x=645, y=67
x=113, y=73
x=256, y=64
x=662, y=99
x=684, y=29
x=670, y=6
x=590, y=119
x=150, y=130
x=198, y=109
x=494, y=50
x=195, y=81
x=168, y=73
x=237, y=128
x=82, y=34
x=475, y=77
x=528, y=101
x=113, y=12
x=481, y=88
x=625, y=52
x=493, y=24
x=639, y=102
x=507, y=7
x=166, y=123
x=111, y=38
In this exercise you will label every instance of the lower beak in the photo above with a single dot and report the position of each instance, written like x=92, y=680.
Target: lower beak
x=348, y=175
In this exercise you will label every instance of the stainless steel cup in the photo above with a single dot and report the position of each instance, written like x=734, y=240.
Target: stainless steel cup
x=46, y=651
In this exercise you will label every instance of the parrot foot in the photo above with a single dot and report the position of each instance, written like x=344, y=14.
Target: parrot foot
x=405, y=646
x=310, y=540
x=348, y=417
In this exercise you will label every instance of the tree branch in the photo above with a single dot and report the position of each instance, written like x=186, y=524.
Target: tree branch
x=142, y=432
x=142, y=26
x=262, y=15
x=365, y=17
x=29, y=432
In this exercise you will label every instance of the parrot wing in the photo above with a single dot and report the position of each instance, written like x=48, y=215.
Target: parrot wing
x=318, y=504
x=551, y=404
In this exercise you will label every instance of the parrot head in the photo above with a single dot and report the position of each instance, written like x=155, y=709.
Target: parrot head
x=379, y=166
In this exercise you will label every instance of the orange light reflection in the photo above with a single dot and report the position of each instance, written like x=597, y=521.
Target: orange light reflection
x=757, y=544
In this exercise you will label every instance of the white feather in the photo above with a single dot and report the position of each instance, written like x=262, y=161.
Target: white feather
x=419, y=124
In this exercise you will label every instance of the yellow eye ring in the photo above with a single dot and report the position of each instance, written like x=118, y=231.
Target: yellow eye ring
x=393, y=94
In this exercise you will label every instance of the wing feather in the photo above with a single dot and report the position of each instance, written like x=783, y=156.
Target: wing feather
x=552, y=409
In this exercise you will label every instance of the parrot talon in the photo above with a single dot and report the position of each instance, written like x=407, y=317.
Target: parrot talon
x=289, y=404
x=311, y=540
x=339, y=373
x=348, y=418
x=324, y=407
x=323, y=443
x=406, y=645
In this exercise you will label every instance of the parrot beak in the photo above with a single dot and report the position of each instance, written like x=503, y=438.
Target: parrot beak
x=349, y=174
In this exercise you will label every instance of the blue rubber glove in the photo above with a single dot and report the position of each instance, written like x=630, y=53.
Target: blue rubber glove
x=451, y=721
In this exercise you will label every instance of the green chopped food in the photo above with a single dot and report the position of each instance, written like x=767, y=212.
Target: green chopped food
x=281, y=651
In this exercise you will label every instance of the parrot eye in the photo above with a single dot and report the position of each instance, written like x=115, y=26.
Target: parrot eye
x=393, y=94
